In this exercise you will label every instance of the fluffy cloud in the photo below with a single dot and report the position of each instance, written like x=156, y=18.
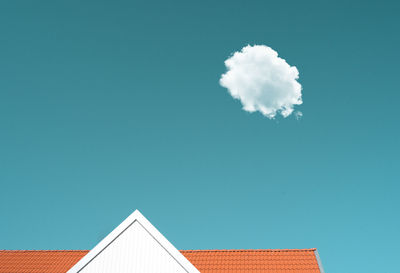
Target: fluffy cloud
x=262, y=81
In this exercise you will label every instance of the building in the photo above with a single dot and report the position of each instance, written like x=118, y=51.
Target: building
x=137, y=246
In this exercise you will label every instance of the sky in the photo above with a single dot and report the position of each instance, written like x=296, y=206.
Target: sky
x=111, y=106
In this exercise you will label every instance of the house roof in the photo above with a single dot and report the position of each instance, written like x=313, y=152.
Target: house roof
x=206, y=261
x=135, y=245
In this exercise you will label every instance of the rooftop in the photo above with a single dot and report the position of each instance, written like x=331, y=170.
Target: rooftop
x=206, y=261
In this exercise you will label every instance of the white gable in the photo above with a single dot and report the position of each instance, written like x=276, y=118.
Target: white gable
x=134, y=246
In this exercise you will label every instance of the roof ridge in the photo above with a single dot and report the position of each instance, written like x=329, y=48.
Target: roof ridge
x=250, y=250
x=184, y=250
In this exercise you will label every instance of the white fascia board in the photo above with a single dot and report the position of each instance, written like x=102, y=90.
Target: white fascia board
x=136, y=216
x=321, y=269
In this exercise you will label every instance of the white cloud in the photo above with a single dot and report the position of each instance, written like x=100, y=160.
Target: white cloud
x=298, y=115
x=262, y=81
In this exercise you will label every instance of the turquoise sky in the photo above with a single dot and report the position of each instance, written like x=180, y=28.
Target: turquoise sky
x=109, y=106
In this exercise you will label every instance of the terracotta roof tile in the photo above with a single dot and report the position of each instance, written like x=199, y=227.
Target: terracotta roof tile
x=38, y=261
x=206, y=261
x=265, y=261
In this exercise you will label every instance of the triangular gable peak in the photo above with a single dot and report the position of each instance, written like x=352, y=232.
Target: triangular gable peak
x=134, y=246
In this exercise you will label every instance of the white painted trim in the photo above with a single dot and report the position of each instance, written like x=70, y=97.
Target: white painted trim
x=135, y=216
x=321, y=269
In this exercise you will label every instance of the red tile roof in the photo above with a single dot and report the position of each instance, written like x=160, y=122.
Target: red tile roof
x=206, y=261
x=260, y=261
x=39, y=261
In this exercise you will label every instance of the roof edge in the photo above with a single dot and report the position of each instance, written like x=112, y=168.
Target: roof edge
x=185, y=250
x=321, y=269
x=250, y=250
x=136, y=216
